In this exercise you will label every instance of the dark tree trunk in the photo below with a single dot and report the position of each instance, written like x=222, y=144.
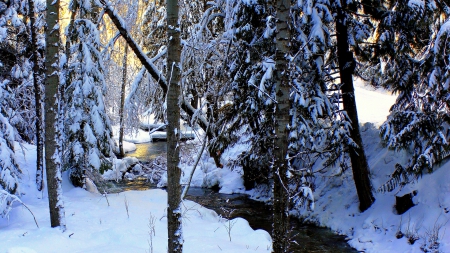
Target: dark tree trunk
x=37, y=82
x=122, y=100
x=52, y=161
x=175, y=233
x=358, y=158
x=280, y=195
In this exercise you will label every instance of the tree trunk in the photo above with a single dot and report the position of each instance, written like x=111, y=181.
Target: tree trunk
x=37, y=80
x=122, y=100
x=282, y=90
x=358, y=158
x=175, y=240
x=52, y=157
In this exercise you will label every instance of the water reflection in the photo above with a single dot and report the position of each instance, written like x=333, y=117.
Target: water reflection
x=149, y=151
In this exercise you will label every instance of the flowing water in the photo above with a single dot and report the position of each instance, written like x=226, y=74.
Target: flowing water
x=309, y=238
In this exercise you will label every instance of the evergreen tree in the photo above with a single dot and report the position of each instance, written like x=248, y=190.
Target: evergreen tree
x=36, y=46
x=349, y=33
x=10, y=77
x=408, y=57
x=88, y=129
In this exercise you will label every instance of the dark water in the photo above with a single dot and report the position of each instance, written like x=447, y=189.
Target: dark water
x=309, y=238
x=259, y=215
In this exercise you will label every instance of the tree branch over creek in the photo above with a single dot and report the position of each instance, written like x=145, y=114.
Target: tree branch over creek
x=150, y=67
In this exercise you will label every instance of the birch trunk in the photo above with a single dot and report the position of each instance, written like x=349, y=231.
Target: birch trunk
x=175, y=240
x=280, y=195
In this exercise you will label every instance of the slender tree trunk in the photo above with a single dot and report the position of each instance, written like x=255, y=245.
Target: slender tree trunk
x=52, y=159
x=37, y=79
x=122, y=100
x=282, y=90
x=358, y=158
x=175, y=240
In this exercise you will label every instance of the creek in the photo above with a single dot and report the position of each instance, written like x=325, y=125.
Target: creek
x=310, y=238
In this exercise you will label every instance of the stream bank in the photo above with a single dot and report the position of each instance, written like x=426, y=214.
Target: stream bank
x=310, y=238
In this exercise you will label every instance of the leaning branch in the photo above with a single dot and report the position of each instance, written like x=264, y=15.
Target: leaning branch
x=149, y=66
x=120, y=25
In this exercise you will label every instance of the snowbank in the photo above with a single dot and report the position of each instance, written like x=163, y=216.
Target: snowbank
x=376, y=230
x=93, y=225
x=128, y=147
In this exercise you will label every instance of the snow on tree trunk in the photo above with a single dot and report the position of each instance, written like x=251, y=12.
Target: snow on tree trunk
x=358, y=158
x=175, y=233
x=37, y=81
x=122, y=100
x=52, y=157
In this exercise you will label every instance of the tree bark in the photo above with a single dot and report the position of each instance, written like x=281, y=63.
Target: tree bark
x=37, y=80
x=282, y=90
x=175, y=240
x=122, y=100
x=358, y=158
x=52, y=157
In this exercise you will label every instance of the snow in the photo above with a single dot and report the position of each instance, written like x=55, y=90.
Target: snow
x=376, y=229
x=141, y=136
x=373, y=105
x=128, y=147
x=93, y=225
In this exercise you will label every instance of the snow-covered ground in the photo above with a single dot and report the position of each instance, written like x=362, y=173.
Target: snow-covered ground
x=372, y=104
x=376, y=229
x=127, y=146
x=95, y=226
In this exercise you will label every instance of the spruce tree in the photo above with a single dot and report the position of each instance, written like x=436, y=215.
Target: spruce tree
x=349, y=32
x=88, y=128
x=407, y=56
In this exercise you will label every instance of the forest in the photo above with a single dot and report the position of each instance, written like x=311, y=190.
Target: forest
x=333, y=113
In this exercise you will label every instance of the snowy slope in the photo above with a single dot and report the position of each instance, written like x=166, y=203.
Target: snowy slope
x=376, y=229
